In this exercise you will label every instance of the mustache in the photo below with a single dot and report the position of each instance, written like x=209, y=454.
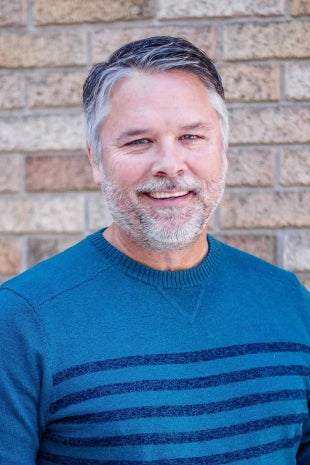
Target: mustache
x=184, y=183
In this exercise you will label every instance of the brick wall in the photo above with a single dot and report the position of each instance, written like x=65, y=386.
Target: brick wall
x=262, y=47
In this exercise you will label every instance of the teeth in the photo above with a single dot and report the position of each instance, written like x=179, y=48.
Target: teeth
x=167, y=195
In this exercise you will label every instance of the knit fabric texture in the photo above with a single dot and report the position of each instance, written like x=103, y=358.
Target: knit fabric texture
x=107, y=361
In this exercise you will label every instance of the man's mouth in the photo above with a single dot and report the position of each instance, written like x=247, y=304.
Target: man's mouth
x=167, y=195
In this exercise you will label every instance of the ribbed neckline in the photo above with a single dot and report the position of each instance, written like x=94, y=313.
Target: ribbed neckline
x=168, y=279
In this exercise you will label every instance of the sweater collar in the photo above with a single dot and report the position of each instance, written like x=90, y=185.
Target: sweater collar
x=168, y=279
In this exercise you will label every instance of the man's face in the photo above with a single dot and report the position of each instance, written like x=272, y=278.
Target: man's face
x=162, y=159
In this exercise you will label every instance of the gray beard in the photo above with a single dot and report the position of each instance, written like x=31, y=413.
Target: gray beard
x=163, y=229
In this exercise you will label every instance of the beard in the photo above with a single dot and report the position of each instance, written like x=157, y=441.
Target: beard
x=163, y=228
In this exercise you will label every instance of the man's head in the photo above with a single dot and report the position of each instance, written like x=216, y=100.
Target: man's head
x=161, y=53
x=157, y=135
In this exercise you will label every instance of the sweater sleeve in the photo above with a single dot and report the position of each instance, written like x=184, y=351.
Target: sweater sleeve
x=21, y=380
x=303, y=455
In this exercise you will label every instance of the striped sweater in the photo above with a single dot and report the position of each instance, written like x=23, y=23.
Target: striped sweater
x=106, y=361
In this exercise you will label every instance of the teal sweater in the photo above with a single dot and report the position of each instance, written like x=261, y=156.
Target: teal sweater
x=106, y=361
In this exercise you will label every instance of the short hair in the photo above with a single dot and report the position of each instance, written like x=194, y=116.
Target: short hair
x=159, y=53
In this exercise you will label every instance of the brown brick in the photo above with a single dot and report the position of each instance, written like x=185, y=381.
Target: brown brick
x=247, y=41
x=9, y=173
x=41, y=213
x=251, y=83
x=250, y=167
x=263, y=246
x=297, y=81
x=9, y=256
x=12, y=91
x=12, y=13
x=295, y=167
x=97, y=212
x=261, y=209
x=58, y=173
x=215, y=8
x=43, y=133
x=40, y=249
x=270, y=125
x=44, y=49
x=300, y=7
x=297, y=251
x=55, y=89
x=90, y=11
x=104, y=43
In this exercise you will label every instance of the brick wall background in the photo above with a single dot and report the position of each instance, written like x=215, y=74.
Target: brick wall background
x=262, y=48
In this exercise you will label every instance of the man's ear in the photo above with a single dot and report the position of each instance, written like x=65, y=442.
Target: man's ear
x=94, y=167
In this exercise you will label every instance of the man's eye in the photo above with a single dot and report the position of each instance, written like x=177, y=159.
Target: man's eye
x=190, y=137
x=139, y=142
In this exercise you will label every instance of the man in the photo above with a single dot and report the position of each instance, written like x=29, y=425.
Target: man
x=151, y=342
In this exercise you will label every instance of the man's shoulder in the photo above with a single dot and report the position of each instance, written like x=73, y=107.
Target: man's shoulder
x=50, y=277
x=251, y=268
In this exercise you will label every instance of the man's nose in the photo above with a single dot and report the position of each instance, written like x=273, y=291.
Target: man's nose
x=169, y=161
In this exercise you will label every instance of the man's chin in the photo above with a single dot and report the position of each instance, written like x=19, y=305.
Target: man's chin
x=165, y=239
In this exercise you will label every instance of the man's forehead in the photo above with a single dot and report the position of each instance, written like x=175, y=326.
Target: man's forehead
x=179, y=102
x=157, y=77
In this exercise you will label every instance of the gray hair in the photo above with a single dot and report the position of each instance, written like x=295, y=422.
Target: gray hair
x=161, y=53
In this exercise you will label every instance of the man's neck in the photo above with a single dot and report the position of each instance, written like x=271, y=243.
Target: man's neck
x=164, y=260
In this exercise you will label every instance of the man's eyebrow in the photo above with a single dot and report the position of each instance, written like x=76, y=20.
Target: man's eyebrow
x=132, y=133
x=196, y=125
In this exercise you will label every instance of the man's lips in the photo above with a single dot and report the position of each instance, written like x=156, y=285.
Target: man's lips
x=167, y=195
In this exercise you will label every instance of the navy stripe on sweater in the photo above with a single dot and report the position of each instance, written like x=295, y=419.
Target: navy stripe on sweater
x=216, y=459
x=185, y=410
x=179, y=384
x=178, y=358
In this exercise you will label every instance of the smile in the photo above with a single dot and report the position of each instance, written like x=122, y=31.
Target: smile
x=167, y=195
